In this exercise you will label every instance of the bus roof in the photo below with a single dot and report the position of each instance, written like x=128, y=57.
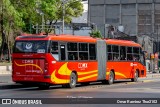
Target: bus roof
x=75, y=38
x=64, y=37
x=122, y=42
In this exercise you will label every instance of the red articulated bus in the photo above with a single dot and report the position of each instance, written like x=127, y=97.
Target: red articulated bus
x=68, y=59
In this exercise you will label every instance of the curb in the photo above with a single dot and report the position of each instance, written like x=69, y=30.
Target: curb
x=5, y=72
x=153, y=75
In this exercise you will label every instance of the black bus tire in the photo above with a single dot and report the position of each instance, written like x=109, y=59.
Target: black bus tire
x=135, y=79
x=111, y=78
x=73, y=81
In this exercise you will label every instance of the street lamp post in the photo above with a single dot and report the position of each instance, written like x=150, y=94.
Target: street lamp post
x=63, y=13
x=40, y=12
x=42, y=21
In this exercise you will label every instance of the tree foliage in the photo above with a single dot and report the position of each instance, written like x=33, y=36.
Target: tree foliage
x=96, y=34
x=11, y=22
x=32, y=11
x=73, y=8
x=18, y=16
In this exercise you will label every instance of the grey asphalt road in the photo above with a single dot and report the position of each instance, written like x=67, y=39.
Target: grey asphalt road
x=5, y=78
x=146, y=89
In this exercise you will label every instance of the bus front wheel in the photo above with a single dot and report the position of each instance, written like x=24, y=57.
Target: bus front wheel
x=135, y=79
x=73, y=81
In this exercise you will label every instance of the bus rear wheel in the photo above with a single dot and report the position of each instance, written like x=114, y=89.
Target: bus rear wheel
x=135, y=79
x=110, y=80
x=73, y=81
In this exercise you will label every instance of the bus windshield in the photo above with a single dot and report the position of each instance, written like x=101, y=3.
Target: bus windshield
x=31, y=47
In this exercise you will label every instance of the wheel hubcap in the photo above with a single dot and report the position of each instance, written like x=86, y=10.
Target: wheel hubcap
x=73, y=81
x=136, y=76
x=111, y=77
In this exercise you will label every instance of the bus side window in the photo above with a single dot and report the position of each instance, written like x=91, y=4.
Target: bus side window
x=136, y=53
x=72, y=50
x=109, y=50
x=83, y=55
x=83, y=51
x=129, y=53
x=92, y=51
x=122, y=53
x=72, y=46
x=54, y=47
x=54, y=50
x=109, y=56
x=129, y=57
x=72, y=56
x=115, y=50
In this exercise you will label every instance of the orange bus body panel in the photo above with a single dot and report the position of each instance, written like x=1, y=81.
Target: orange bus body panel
x=31, y=67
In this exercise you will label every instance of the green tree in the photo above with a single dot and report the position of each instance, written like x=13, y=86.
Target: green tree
x=11, y=22
x=96, y=34
x=28, y=11
x=18, y=16
x=72, y=8
x=51, y=11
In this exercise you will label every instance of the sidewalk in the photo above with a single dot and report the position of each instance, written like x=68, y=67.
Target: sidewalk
x=5, y=70
x=153, y=75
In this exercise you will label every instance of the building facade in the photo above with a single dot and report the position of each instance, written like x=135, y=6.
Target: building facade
x=139, y=18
